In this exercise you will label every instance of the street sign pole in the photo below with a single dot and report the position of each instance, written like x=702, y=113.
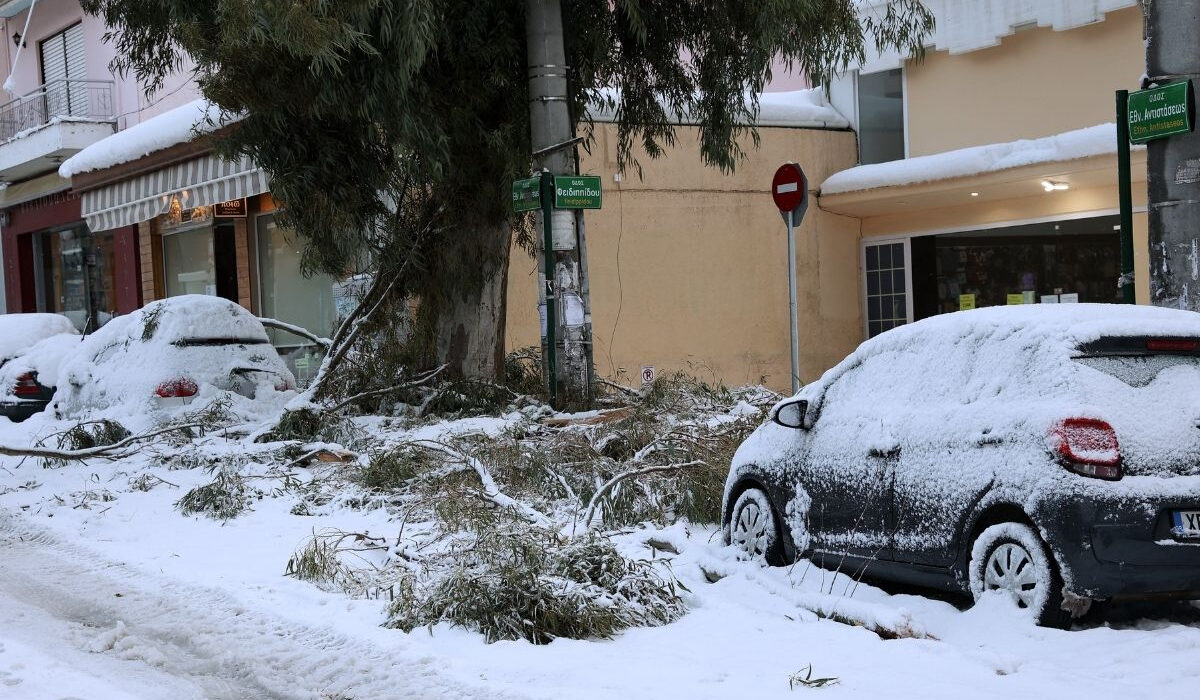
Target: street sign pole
x=789, y=190
x=1125, y=195
x=791, y=235
x=547, y=197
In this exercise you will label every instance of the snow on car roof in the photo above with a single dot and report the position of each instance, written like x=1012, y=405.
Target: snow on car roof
x=19, y=332
x=196, y=316
x=1047, y=330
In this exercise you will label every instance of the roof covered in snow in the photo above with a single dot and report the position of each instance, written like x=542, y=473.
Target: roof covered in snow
x=19, y=332
x=170, y=128
x=793, y=108
x=976, y=160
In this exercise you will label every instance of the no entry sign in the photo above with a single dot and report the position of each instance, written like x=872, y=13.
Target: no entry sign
x=789, y=189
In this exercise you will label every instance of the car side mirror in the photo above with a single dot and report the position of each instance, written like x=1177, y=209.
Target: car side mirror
x=793, y=414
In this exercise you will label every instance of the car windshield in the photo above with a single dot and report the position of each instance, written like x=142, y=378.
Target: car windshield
x=1137, y=361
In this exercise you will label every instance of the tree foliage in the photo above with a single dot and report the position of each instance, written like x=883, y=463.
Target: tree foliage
x=351, y=106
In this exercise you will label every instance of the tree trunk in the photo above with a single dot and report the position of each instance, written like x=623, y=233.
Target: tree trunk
x=470, y=324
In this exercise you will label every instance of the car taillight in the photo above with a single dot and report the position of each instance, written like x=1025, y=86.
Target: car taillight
x=176, y=388
x=27, y=385
x=1088, y=446
x=1172, y=344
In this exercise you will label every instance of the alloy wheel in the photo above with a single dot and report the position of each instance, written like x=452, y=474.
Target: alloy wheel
x=750, y=530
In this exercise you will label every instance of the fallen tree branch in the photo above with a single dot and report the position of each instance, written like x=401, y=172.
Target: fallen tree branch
x=611, y=483
x=380, y=392
x=106, y=451
x=296, y=330
x=490, y=489
x=620, y=387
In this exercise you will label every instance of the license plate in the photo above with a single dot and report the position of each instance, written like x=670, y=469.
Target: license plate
x=1187, y=523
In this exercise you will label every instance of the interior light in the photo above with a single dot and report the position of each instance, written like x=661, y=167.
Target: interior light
x=1051, y=186
x=974, y=194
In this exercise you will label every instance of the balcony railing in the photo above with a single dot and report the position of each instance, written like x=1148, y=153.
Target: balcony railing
x=79, y=99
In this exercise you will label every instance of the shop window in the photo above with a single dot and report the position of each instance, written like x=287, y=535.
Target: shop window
x=880, y=116
x=188, y=263
x=75, y=275
x=287, y=295
x=887, y=286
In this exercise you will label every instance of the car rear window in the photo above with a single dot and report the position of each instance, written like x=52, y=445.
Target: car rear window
x=1138, y=360
x=210, y=342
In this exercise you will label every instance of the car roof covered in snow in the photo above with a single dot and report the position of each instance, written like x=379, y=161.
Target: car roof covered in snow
x=19, y=332
x=1041, y=335
x=196, y=316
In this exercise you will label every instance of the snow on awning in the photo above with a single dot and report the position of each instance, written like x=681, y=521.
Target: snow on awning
x=201, y=182
x=976, y=160
x=805, y=108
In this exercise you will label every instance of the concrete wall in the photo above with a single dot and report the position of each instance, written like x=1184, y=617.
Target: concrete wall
x=689, y=265
x=1037, y=82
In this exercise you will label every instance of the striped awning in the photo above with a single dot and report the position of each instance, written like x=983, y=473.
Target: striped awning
x=200, y=182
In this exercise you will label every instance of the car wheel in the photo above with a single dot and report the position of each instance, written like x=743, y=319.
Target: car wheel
x=1011, y=558
x=754, y=529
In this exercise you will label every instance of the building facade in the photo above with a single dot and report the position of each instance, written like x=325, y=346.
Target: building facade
x=988, y=170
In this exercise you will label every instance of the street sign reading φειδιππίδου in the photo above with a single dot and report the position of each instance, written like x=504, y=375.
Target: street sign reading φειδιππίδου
x=1162, y=111
x=577, y=192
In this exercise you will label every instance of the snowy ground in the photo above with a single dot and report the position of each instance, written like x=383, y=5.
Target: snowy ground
x=108, y=592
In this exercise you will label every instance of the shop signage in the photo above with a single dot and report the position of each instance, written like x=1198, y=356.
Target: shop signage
x=1162, y=111
x=527, y=194
x=1014, y=299
x=577, y=192
x=966, y=302
x=234, y=207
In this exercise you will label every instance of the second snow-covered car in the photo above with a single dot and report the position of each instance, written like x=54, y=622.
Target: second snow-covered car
x=1051, y=453
x=30, y=348
x=167, y=354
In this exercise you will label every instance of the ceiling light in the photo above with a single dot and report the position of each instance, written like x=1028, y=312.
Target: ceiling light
x=974, y=194
x=1051, y=186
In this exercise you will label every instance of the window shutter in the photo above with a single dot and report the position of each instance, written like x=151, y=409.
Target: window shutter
x=62, y=64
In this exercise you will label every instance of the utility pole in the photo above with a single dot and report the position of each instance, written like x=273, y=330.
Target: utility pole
x=553, y=140
x=1173, y=164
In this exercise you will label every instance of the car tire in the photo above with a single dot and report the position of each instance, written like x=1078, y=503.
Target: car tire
x=1011, y=557
x=754, y=528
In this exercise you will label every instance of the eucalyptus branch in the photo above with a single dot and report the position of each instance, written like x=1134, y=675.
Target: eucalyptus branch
x=611, y=483
x=107, y=451
x=391, y=389
x=296, y=330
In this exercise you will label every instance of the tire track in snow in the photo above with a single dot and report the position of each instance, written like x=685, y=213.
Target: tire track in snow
x=203, y=635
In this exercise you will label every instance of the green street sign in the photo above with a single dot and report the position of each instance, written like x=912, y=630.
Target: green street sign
x=527, y=194
x=577, y=192
x=1162, y=111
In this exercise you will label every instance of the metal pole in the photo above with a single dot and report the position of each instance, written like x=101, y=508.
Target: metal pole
x=1126, y=198
x=791, y=235
x=1172, y=195
x=550, y=291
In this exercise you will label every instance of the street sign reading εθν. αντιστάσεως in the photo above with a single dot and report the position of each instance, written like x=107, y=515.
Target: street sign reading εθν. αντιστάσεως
x=1162, y=111
x=577, y=192
x=527, y=194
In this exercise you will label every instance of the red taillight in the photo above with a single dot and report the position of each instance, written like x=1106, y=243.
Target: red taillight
x=176, y=388
x=1088, y=447
x=27, y=385
x=1172, y=344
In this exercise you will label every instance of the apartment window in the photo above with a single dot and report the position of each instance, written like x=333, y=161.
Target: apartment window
x=887, y=286
x=880, y=116
x=63, y=73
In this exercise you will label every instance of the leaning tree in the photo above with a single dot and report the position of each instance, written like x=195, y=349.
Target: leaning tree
x=391, y=129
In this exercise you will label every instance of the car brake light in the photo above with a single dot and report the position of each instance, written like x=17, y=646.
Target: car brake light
x=1171, y=344
x=27, y=385
x=176, y=388
x=1088, y=447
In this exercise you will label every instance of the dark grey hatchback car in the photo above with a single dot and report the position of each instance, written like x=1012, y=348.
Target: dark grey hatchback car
x=1049, y=452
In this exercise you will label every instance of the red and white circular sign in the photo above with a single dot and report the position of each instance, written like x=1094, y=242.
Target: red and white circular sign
x=789, y=187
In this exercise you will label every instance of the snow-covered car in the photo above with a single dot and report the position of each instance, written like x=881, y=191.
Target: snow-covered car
x=1051, y=453
x=169, y=353
x=31, y=346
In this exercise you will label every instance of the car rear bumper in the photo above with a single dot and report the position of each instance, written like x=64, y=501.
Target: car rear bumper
x=1125, y=547
x=18, y=411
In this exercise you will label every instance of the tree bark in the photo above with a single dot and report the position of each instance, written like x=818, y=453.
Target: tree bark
x=469, y=327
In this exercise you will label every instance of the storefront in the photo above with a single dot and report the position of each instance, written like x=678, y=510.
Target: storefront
x=54, y=263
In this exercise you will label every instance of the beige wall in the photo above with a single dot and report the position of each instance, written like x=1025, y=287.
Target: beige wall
x=689, y=266
x=1036, y=83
